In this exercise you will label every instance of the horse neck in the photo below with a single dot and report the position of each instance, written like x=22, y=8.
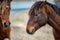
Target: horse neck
x=54, y=18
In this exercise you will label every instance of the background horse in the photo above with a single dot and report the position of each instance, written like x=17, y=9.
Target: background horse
x=42, y=13
x=4, y=19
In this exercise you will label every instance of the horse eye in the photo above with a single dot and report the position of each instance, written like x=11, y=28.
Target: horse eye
x=36, y=15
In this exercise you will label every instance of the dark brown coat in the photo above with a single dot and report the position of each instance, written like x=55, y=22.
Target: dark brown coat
x=42, y=13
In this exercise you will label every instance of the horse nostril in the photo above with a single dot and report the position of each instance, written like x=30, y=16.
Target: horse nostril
x=31, y=32
x=7, y=24
x=27, y=31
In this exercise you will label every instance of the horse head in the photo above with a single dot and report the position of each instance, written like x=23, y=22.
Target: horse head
x=5, y=12
x=37, y=17
x=4, y=19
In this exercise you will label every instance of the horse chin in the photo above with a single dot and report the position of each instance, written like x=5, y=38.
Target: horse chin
x=30, y=33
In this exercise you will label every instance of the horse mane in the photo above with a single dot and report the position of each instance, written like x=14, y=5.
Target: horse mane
x=37, y=5
x=55, y=7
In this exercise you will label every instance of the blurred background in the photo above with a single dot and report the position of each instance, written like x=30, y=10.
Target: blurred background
x=19, y=17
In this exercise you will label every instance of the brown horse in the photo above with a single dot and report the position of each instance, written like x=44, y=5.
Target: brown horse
x=4, y=19
x=42, y=13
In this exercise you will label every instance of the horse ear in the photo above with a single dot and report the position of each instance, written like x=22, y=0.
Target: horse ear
x=43, y=3
x=45, y=0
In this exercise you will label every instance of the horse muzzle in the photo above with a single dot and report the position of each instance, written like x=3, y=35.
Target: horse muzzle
x=6, y=24
x=30, y=30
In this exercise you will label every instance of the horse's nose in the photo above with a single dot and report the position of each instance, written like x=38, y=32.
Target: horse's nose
x=30, y=31
x=6, y=24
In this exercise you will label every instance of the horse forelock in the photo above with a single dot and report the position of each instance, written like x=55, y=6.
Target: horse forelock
x=55, y=7
x=34, y=7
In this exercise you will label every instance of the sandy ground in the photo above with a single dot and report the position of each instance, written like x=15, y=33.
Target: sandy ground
x=19, y=33
x=18, y=28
